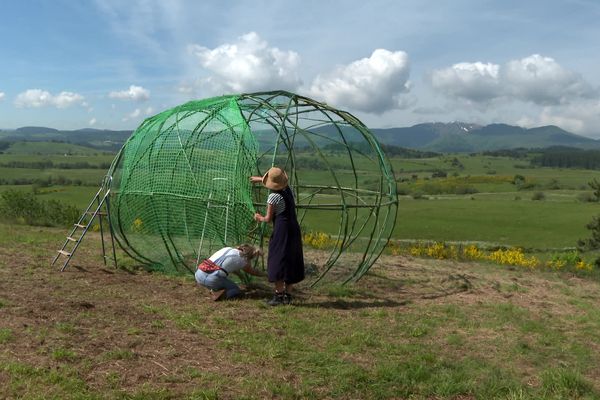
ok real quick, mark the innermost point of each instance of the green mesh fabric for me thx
(180, 186)
(181, 183)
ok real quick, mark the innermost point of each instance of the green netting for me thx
(180, 186)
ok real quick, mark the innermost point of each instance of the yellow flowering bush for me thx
(570, 258)
(582, 265)
(137, 225)
(512, 256)
(319, 240)
(556, 264)
(439, 250)
(472, 252)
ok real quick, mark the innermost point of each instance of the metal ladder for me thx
(98, 207)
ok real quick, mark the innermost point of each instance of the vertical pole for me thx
(99, 212)
(112, 235)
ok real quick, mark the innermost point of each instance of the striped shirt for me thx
(276, 200)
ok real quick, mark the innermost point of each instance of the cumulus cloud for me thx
(92, 122)
(1, 96)
(582, 117)
(137, 113)
(247, 65)
(374, 84)
(135, 93)
(134, 114)
(542, 80)
(536, 79)
(34, 98)
(473, 81)
(429, 110)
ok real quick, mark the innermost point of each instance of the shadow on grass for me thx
(351, 304)
(341, 297)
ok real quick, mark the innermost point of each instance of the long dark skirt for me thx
(285, 260)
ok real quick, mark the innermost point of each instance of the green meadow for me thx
(411, 328)
(456, 197)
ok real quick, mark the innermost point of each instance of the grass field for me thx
(88, 176)
(411, 329)
(496, 211)
(49, 148)
(536, 224)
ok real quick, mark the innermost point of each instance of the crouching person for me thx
(213, 273)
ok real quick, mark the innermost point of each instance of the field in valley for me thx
(475, 199)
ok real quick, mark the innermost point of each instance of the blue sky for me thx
(73, 64)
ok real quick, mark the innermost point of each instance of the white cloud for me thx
(66, 99)
(135, 93)
(133, 115)
(429, 110)
(136, 113)
(1, 96)
(373, 84)
(582, 117)
(34, 98)
(185, 89)
(535, 79)
(473, 81)
(92, 122)
(148, 110)
(542, 80)
(247, 65)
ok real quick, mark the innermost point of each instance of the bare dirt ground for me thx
(125, 329)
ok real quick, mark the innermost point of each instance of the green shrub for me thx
(594, 184)
(538, 196)
(586, 197)
(18, 206)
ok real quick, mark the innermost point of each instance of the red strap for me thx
(208, 266)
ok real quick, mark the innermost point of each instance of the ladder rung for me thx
(85, 222)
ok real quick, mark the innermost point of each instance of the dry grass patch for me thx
(412, 328)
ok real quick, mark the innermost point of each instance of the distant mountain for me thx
(101, 139)
(464, 137)
(35, 130)
(437, 137)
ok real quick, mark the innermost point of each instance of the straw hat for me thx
(275, 179)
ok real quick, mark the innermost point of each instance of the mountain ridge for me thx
(465, 137)
(445, 137)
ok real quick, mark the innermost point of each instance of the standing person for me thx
(285, 262)
(214, 271)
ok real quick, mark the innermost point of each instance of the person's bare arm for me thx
(269, 215)
(248, 269)
(256, 179)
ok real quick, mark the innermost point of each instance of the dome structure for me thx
(180, 188)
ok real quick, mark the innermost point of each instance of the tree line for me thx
(567, 158)
(48, 164)
(47, 181)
